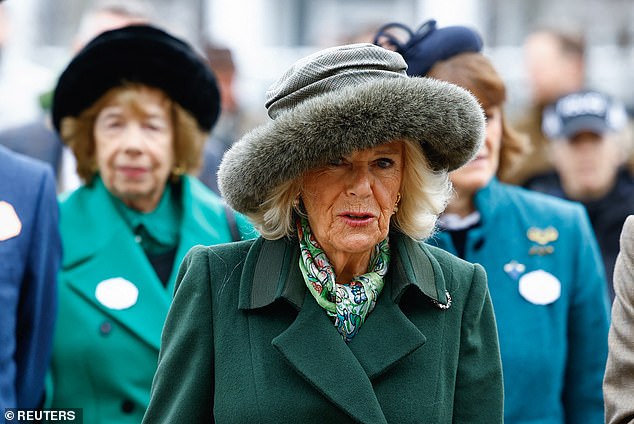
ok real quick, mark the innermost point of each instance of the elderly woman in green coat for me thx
(338, 313)
(135, 106)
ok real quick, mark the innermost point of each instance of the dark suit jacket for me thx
(245, 342)
(30, 255)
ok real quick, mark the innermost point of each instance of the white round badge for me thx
(117, 293)
(540, 287)
(10, 224)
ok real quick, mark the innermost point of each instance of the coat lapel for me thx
(201, 222)
(314, 348)
(386, 337)
(312, 345)
(145, 318)
(98, 246)
(97, 241)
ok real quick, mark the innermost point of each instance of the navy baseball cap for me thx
(428, 44)
(582, 111)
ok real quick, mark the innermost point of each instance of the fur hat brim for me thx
(443, 118)
(143, 54)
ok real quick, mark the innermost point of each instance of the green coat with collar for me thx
(246, 342)
(104, 358)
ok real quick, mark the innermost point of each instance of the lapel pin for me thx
(443, 306)
(540, 287)
(514, 269)
(542, 236)
(117, 293)
(10, 224)
(541, 250)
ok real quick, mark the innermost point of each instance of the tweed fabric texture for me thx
(330, 70)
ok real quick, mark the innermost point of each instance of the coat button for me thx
(105, 328)
(127, 406)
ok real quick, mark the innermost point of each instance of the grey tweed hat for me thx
(340, 100)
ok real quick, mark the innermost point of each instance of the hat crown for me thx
(584, 110)
(586, 103)
(329, 70)
(142, 54)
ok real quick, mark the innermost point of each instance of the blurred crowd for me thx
(542, 207)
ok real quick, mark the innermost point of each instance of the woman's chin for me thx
(357, 242)
(473, 180)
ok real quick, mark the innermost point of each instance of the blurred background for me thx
(265, 36)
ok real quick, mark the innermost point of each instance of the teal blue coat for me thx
(245, 342)
(553, 355)
(103, 358)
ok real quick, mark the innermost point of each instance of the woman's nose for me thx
(132, 139)
(360, 182)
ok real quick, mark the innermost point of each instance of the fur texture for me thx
(445, 119)
(143, 54)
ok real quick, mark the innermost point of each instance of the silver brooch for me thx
(443, 306)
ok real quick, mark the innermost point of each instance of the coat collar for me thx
(271, 274)
(145, 318)
(95, 237)
(495, 199)
(91, 207)
(486, 197)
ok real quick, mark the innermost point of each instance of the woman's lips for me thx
(357, 219)
(133, 171)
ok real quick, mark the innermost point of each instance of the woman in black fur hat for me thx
(338, 313)
(135, 106)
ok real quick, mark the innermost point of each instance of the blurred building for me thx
(265, 36)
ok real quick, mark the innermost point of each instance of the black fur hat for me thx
(144, 54)
(343, 99)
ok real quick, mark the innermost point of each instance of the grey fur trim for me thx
(445, 119)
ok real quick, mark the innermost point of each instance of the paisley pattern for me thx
(349, 303)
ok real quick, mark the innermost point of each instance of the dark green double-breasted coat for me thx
(245, 342)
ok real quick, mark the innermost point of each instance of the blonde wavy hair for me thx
(424, 195)
(78, 132)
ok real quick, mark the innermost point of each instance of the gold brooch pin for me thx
(541, 250)
(542, 236)
(514, 269)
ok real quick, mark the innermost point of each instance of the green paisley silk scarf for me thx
(348, 303)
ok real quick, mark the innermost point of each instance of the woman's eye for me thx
(336, 162)
(153, 126)
(114, 124)
(491, 114)
(384, 163)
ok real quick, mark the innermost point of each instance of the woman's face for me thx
(134, 148)
(349, 202)
(587, 164)
(476, 174)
